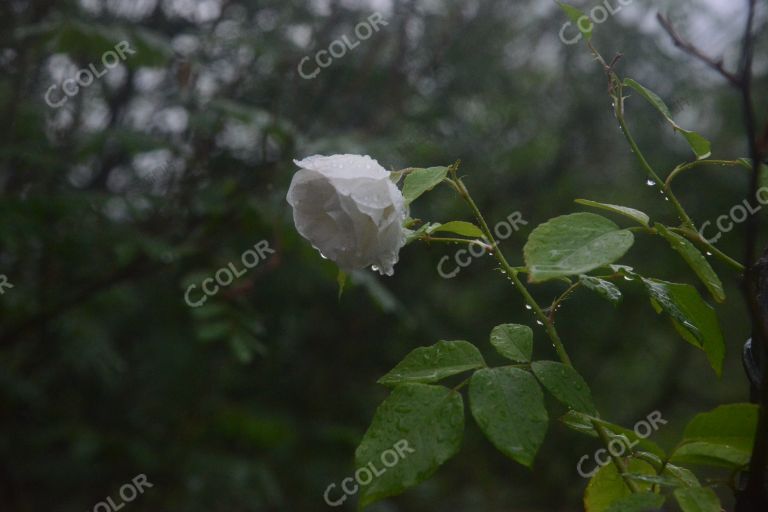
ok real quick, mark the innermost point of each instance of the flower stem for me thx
(621, 466)
(512, 272)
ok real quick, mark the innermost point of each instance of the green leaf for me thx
(575, 15)
(574, 244)
(421, 423)
(421, 180)
(607, 486)
(684, 476)
(695, 260)
(583, 423)
(513, 341)
(700, 146)
(508, 405)
(462, 228)
(722, 437)
(605, 289)
(565, 384)
(703, 453)
(626, 211)
(697, 499)
(640, 502)
(431, 364)
(693, 318)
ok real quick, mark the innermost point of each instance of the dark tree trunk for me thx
(753, 493)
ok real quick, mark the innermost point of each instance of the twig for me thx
(690, 49)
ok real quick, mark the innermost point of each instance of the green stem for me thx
(690, 165)
(512, 272)
(621, 466)
(695, 237)
(686, 220)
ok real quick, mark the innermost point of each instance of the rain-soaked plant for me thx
(350, 209)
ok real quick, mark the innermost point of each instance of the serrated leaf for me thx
(700, 146)
(575, 15)
(640, 502)
(462, 228)
(695, 260)
(513, 341)
(508, 405)
(607, 486)
(722, 437)
(694, 319)
(697, 499)
(429, 420)
(431, 364)
(605, 289)
(565, 384)
(626, 211)
(574, 244)
(421, 180)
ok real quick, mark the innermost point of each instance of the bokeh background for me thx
(177, 161)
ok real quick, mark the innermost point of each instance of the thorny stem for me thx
(556, 303)
(617, 461)
(510, 271)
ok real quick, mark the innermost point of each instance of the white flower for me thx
(350, 210)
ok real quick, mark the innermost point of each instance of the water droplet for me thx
(539, 322)
(627, 278)
(528, 307)
(709, 253)
(650, 182)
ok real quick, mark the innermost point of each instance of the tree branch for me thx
(690, 49)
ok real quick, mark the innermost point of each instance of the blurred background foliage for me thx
(178, 160)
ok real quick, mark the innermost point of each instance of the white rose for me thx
(350, 210)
